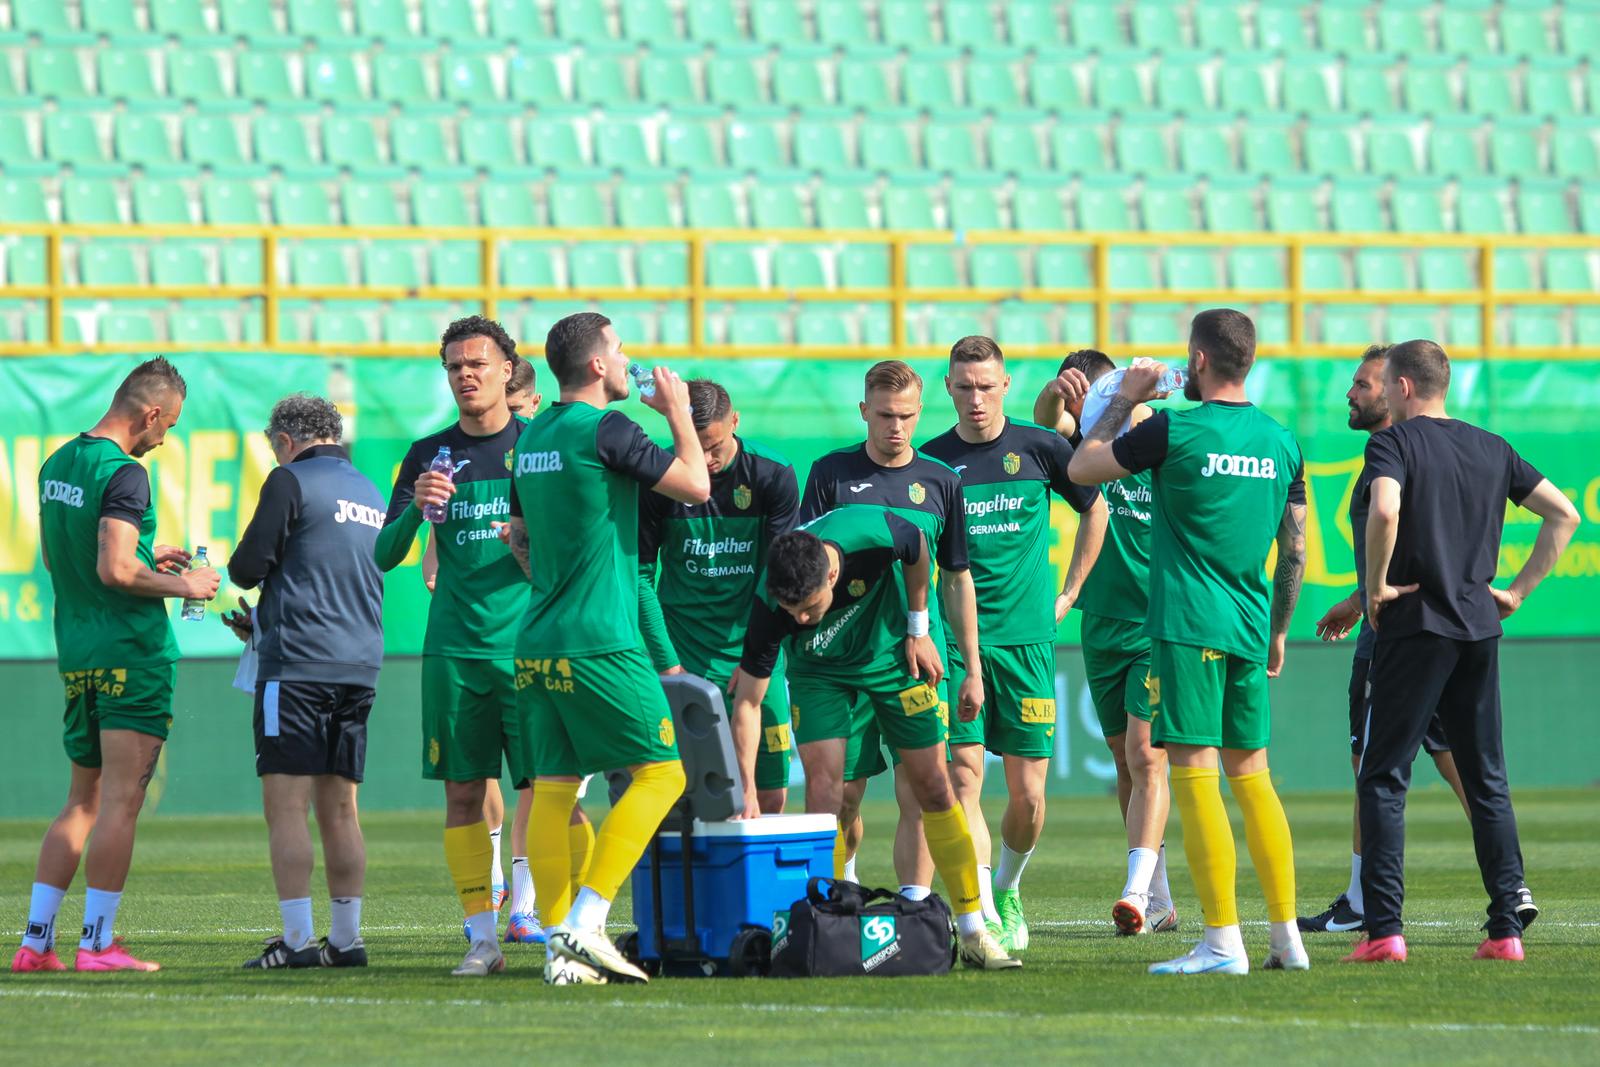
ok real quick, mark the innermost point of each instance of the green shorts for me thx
(113, 698)
(776, 750)
(864, 753)
(1116, 661)
(879, 701)
(1200, 696)
(469, 718)
(1019, 700)
(586, 714)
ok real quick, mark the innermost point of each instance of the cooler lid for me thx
(765, 826)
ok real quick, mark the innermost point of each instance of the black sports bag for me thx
(841, 928)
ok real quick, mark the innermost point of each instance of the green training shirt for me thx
(575, 483)
(479, 592)
(86, 480)
(1118, 587)
(1222, 474)
(1005, 487)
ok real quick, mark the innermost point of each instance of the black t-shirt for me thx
(925, 491)
(1454, 482)
(126, 495)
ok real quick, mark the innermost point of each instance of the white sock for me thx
(991, 914)
(1159, 889)
(850, 870)
(481, 927)
(589, 911)
(1286, 936)
(916, 892)
(1008, 876)
(1353, 894)
(99, 919)
(297, 926)
(1141, 868)
(1225, 939)
(497, 876)
(42, 910)
(521, 886)
(345, 930)
(969, 923)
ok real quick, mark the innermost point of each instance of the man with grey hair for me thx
(318, 633)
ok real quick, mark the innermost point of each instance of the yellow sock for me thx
(950, 845)
(549, 855)
(840, 855)
(469, 855)
(580, 843)
(627, 831)
(1266, 832)
(1207, 841)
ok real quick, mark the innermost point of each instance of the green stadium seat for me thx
(753, 146)
(576, 204)
(1489, 87)
(486, 142)
(1243, 85)
(91, 200)
(1191, 268)
(1391, 151)
(1053, 84)
(1116, 84)
(1586, 327)
(1366, 83)
(1164, 205)
(1523, 32)
(1131, 268)
(1514, 147)
(535, 79)
(777, 22)
(1033, 24)
(1589, 209)
(331, 77)
(179, 18)
(465, 76)
(25, 261)
(1014, 148)
(1515, 270)
(142, 139)
(249, 19)
(712, 21)
(516, 20)
(885, 147)
(1204, 148)
(1572, 149)
(732, 266)
(1324, 268)
(339, 327)
(439, 203)
(1418, 206)
(994, 267)
(1157, 26)
(710, 205)
(1536, 328)
(1330, 148)
(281, 141)
(1342, 27)
(582, 20)
(1230, 207)
(194, 76)
(1464, 31)
(1019, 324)
(949, 146)
(797, 267)
(406, 326)
(15, 146)
(863, 266)
(350, 142)
(1453, 149)
(399, 78)
(908, 208)
(665, 79)
(932, 267)
(54, 73)
(189, 325)
(643, 204)
(843, 22)
(1037, 207)
(369, 204)
(1281, 26)
(241, 263)
(1548, 88)
(211, 139)
(1354, 206)
(1580, 29)
(1349, 325)
(389, 264)
(1542, 207)
(316, 19)
(1382, 269)
(108, 263)
(974, 207)
(688, 145)
(1305, 89)
(927, 84)
(778, 207)
(1257, 268)
(992, 86)
(732, 80)
(1063, 267)
(264, 76)
(596, 266)
(553, 143)
(455, 264)
(862, 82)
(508, 205)
(1292, 205)
(1402, 29)
(1426, 86)
(1101, 205)
(296, 203)
(1078, 148)
(418, 141)
(1096, 24)
(949, 321)
(1180, 85)
(1268, 148)
(126, 327)
(601, 79)
(1568, 270)
(158, 201)
(821, 326)
(820, 145)
(125, 74)
(1479, 208)
(71, 137)
(842, 207)
(179, 264)
(970, 24)
(905, 24)
(663, 265)
(452, 21)
(757, 326)
(1219, 26)
(1154, 324)
(228, 202)
(797, 83)
(529, 265)
(1404, 323)
(620, 143)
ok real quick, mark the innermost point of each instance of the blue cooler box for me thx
(743, 872)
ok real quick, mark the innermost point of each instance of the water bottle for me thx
(1105, 387)
(194, 609)
(643, 380)
(442, 464)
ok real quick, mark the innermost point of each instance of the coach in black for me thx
(318, 633)
(1437, 493)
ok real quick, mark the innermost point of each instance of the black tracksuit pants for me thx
(1412, 677)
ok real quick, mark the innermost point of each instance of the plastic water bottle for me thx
(442, 464)
(194, 609)
(1105, 387)
(643, 380)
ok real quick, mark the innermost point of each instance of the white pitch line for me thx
(1459, 924)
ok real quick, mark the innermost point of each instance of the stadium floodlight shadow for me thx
(715, 790)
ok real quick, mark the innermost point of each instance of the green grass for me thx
(200, 900)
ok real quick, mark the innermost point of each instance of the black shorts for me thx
(1434, 741)
(312, 728)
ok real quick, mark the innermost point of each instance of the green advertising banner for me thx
(207, 476)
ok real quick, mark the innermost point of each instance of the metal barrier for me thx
(897, 296)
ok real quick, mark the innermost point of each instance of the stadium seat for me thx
(1219, 25)
(390, 264)
(885, 147)
(1077, 146)
(1464, 31)
(949, 147)
(1514, 147)
(778, 207)
(1243, 85)
(535, 79)
(349, 141)
(582, 20)
(1063, 267)
(89, 200)
(663, 265)
(862, 81)
(1572, 149)
(1548, 88)
(439, 203)
(1191, 268)
(195, 325)
(843, 22)
(1038, 207)
(1402, 29)
(1180, 83)
(1536, 327)
(601, 79)
(55, 73)
(819, 145)
(992, 87)
(732, 266)
(1117, 85)
(1165, 206)
(179, 18)
(1053, 84)
(282, 141)
(776, 22)
(1330, 149)
(465, 76)
(1367, 88)
(1305, 89)
(1141, 145)
(974, 206)
(905, 24)
(1568, 270)
(126, 327)
(842, 207)
(1033, 24)
(508, 205)
(1257, 268)
(1014, 148)
(621, 143)
(1230, 207)
(863, 266)
(194, 76)
(908, 208)
(179, 263)
(125, 74)
(553, 144)
(797, 82)
(157, 201)
(1324, 268)
(71, 137)
(712, 21)
(109, 263)
(1382, 269)
(821, 326)
(971, 24)
(732, 80)
(1355, 207)
(1490, 88)
(1391, 151)
(1267, 146)
(229, 202)
(753, 146)
(1096, 24)
(369, 204)
(643, 204)
(264, 76)
(1347, 325)
(1480, 207)
(1418, 206)
(996, 267)
(1292, 205)
(455, 264)
(1427, 85)
(710, 205)
(297, 203)
(1453, 149)
(242, 263)
(1542, 207)
(399, 77)
(597, 266)
(1516, 270)
(1101, 205)
(665, 79)
(927, 84)
(526, 265)
(797, 267)
(577, 204)
(340, 327)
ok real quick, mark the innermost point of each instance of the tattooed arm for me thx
(118, 566)
(518, 534)
(1286, 579)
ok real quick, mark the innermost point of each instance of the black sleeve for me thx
(1297, 488)
(516, 501)
(1384, 458)
(781, 496)
(1057, 455)
(907, 538)
(127, 495)
(818, 499)
(262, 543)
(405, 483)
(1524, 478)
(1143, 447)
(953, 538)
(623, 447)
(652, 512)
(763, 638)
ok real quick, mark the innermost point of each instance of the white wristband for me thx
(916, 624)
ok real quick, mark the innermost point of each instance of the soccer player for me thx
(1437, 492)
(319, 631)
(849, 594)
(1227, 481)
(591, 700)
(1008, 469)
(886, 471)
(1116, 658)
(469, 707)
(709, 558)
(116, 653)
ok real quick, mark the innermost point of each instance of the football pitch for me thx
(200, 902)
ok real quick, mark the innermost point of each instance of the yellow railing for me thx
(696, 293)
